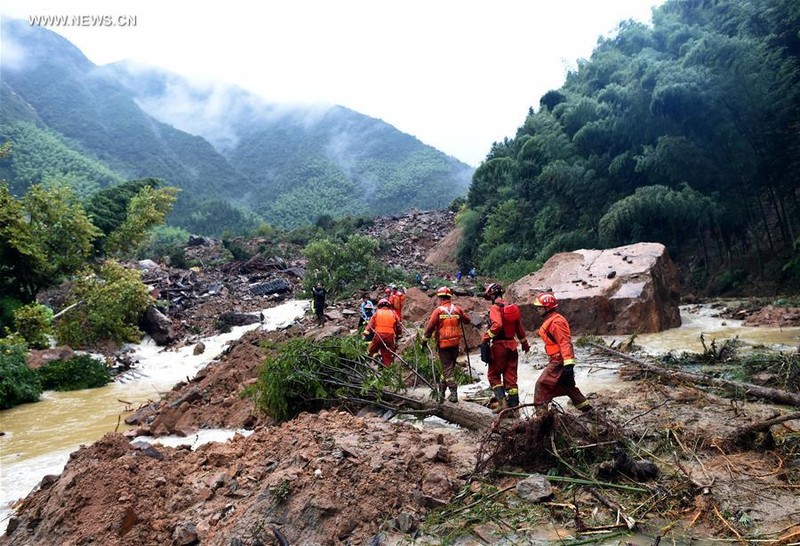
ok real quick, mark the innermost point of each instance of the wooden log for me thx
(466, 414)
(775, 395)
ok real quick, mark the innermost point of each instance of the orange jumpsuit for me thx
(504, 362)
(446, 323)
(386, 325)
(398, 299)
(557, 337)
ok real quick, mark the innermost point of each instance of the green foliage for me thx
(80, 372)
(343, 268)
(34, 323)
(18, 383)
(306, 376)
(41, 155)
(7, 307)
(44, 237)
(681, 133)
(148, 208)
(110, 303)
(165, 242)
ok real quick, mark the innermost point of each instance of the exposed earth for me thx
(336, 478)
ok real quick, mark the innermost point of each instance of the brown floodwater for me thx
(39, 437)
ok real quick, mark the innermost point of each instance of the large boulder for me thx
(625, 290)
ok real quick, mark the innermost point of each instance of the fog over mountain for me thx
(286, 164)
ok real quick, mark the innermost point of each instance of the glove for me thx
(525, 345)
(568, 375)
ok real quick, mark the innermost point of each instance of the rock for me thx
(534, 488)
(37, 359)
(199, 349)
(232, 318)
(185, 533)
(642, 297)
(146, 265)
(159, 326)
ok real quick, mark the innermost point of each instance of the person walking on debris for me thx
(505, 323)
(446, 323)
(385, 325)
(397, 298)
(558, 378)
(366, 309)
(318, 303)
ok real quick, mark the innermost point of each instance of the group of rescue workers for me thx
(500, 343)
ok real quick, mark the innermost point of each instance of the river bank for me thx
(352, 455)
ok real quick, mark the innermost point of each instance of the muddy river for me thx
(39, 437)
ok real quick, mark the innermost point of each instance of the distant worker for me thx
(472, 273)
(318, 303)
(558, 378)
(385, 325)
(397, 298)
(446, 323)
(505, 324)
(458, 276)
(365, 310)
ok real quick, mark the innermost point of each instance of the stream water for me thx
(39, 437)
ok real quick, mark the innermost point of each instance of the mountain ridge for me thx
(283, 165)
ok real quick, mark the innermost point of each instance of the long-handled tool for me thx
(466, 349)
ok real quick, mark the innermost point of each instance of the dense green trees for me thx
(684, 133)
(44, 237)
(343, 268)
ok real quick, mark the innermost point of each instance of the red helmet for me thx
(546, 300)
(384, 303)
(387, 291)
(493, 289)
(444, 292)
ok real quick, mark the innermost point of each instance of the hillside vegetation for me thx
(241, 162)
(685, 133)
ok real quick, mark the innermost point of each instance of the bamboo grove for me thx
(685, 132)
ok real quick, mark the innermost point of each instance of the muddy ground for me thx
(336, 478)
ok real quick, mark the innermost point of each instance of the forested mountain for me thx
(93, 126)
(305, 160)
(686, 132)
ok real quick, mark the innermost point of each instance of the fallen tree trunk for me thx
(466, 414)
(775, 395)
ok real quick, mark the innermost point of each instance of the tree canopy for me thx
(683, 133)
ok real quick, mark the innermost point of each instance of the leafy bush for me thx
(34, 323)
(80, 372)
(18, 383)
(343, 268)
(111, 303)
(7, 307)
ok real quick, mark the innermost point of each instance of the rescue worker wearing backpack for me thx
(446, 324)
(386, 326)
(558, 378)
(505, 324)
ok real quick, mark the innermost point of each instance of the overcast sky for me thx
(456, 74)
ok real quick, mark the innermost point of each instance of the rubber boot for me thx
(513, 402)
(502, 403)
(453, 395)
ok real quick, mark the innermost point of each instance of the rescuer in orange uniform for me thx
(386, 325)
(558, 378)
(446, 324)
(397, 297)
(505, 325)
